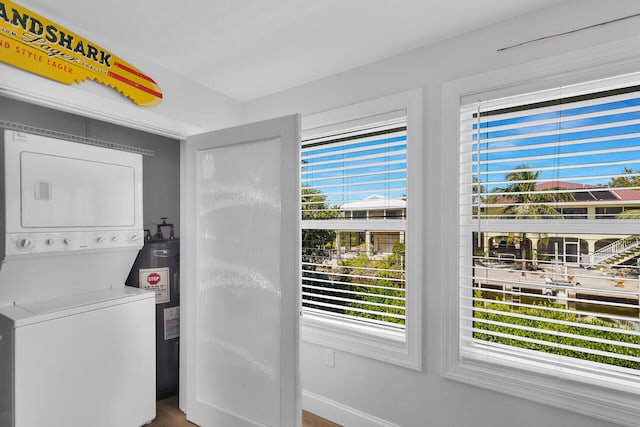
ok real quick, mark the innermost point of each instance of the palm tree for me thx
(478, 196)
(527, 202)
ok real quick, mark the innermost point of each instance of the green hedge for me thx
(358, 267)
(540, 312)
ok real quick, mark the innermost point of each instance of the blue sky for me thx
(568, 153)
(351, 173)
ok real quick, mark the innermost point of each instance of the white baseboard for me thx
(339, 413)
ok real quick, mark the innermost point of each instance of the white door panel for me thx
(241, 276)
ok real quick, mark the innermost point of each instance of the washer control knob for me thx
(114, 239)
(100, 239)
(66, 241)
(23, 243)
(49, 242)
(134, 237)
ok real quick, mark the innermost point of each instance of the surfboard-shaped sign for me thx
(36, 44)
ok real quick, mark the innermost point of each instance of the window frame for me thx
(610, 400)
(380, 343)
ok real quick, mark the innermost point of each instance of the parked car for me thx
(504, 249)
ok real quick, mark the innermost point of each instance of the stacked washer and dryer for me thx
(77, 346)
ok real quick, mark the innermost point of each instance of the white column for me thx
(591, 245)
(534, 248)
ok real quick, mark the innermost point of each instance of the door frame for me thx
(568, 243)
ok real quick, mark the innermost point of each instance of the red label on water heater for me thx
(157, 280)
(153, 279)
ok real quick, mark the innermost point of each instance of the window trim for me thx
(374, 342)
(600, 401)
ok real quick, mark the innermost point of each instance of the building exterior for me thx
(582, 202)
(371, 242)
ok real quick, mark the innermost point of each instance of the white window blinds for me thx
(550, 226)
(354, 186)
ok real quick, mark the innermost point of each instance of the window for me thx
(609, 211)
(573, 213)
(359, 214)
(394, 213)
(550, 236)
(360, 292)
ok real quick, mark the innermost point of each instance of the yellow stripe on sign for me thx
(35, 44)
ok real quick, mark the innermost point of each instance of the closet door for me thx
(240, 271)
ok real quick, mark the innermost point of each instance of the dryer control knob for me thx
(66, 241)
(49, 242)
(100, 239)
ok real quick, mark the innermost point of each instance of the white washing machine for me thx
(86, 359)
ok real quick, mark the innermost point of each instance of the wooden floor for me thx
(168, 415)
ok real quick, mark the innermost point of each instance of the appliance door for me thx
(65, 192)
(240, 276)
(55, 185)
(93, 368)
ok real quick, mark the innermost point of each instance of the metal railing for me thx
(616, 248)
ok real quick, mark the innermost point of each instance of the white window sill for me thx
(589, 393)
(378, 343)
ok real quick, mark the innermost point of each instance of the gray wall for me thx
(401, 396)
(161, 172)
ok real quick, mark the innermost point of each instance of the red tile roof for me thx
(562, 184)
(622, 194)
(595, 195)
(626, 194)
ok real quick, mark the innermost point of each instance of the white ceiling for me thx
(251, 48)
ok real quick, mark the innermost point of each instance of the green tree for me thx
(631, 179)
(527, 202)
(316, 243)
(315, 206)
